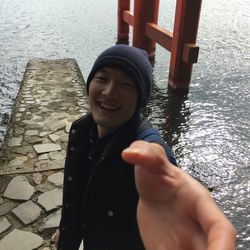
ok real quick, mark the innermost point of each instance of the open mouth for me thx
(108, 107)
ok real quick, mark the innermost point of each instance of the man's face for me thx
(112, 99)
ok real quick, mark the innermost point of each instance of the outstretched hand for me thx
(175, 212)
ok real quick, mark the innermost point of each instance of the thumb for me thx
(149, 155)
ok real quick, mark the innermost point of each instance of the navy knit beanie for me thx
(131, 60)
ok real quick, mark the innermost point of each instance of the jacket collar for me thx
(119, 139)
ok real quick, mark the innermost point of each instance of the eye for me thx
(127, 84)
(100, 78)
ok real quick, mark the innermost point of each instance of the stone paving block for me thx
(33, 140)
(45, 165)
(19, 188)
(4, 180)
(67, 127)
(24, 150)
(7, 169)
(30, 102)
(44, 104)
(54, 137)
(31, 132)
(64, 138)
(43, 133)
(28, 98)
(51, 222)
(36, 118)
(18, 161)
(20, 240)
(45, 141)
(4, 224)
(15, 141)
(27, 212)
(43, 157)
(61, 155)
(54, 125)
(37, 178)
(60, 116)
(19, 131)
(51, 199)
(45, 148)
(6, 207)
(44, 187)
(56, 179)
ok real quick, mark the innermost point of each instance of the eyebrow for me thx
(101, 71)
(105, 70)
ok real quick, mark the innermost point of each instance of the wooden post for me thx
(184, 37)
(122, 27)
(145, 11)
(146, 33)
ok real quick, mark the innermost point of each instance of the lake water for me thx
(208, 130)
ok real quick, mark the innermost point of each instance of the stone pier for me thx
(51, 96)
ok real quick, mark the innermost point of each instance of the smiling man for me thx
(100, 197)
(105, 199)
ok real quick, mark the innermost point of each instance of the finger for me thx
(55, 238)
(149, 155)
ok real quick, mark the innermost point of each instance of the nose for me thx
(110, 89)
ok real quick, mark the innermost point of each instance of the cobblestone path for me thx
(32, 156)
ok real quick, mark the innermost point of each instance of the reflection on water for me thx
(208, 129)
(170, 113)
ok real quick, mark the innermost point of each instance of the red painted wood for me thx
(159, 35)
(190, 53)
(128, 17)
(180, 42)
(185, 31)
(145, 11)
(122, 26)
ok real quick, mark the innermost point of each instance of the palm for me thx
(175, 212)
(167, 223)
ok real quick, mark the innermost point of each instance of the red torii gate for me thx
(180, 42)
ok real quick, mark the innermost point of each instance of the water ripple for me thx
(208, 129)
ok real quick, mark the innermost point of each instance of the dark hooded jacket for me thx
(99, 196)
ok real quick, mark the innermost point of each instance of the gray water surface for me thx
(208, 130)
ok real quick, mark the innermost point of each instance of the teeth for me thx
(106, 106)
